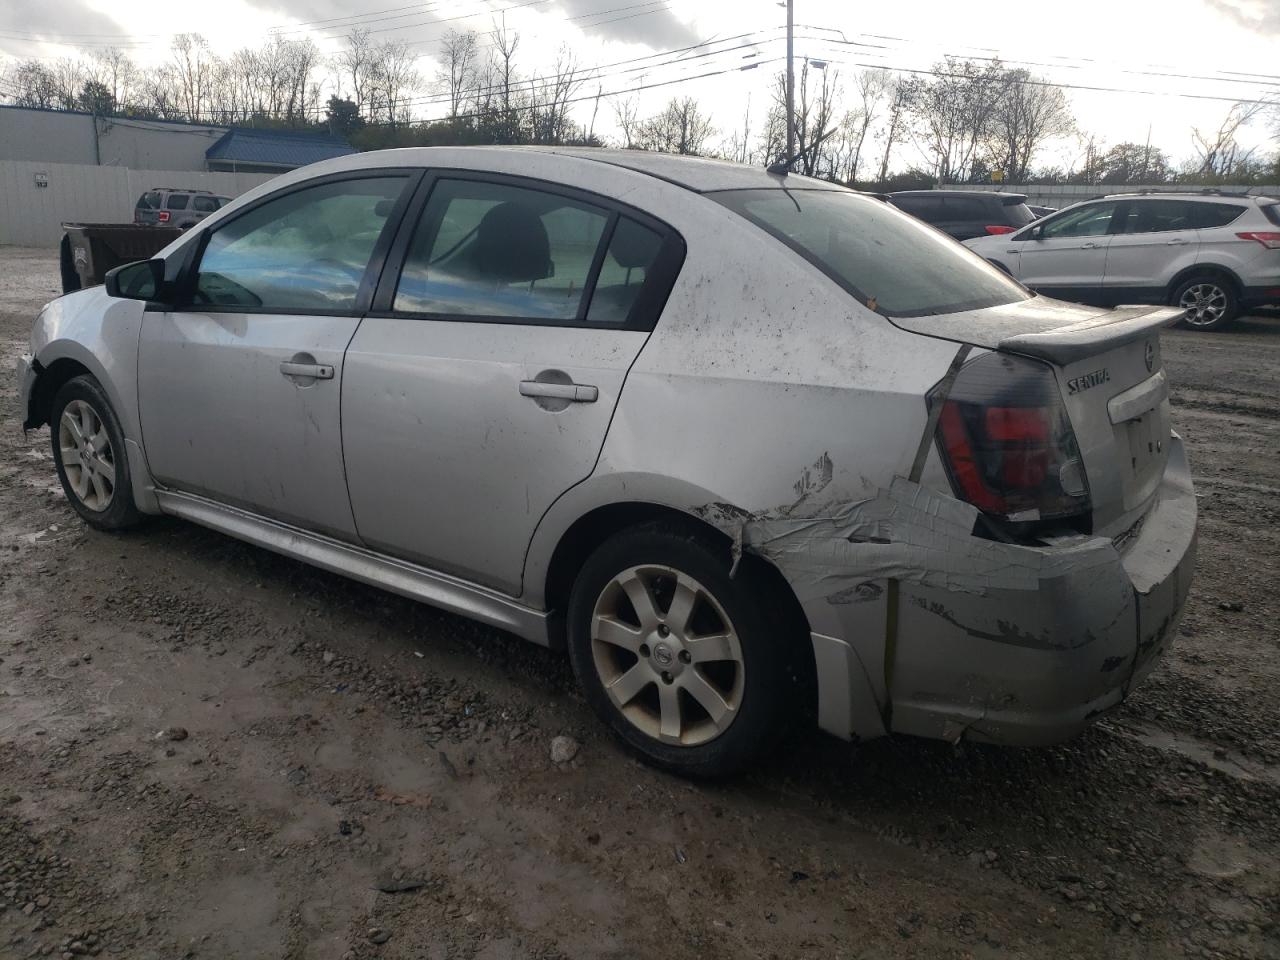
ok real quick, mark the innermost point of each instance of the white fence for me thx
(35, 198)
(1063, 195)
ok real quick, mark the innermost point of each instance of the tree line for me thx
(962, 121)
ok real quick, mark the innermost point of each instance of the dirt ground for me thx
(356, 775)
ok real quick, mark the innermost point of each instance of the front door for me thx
(1066, 255)
(239, 386)
(482, 385)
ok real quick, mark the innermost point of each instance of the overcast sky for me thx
(1207, 48)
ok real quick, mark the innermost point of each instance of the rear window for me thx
(1019, 214)
(1214, 214)
(149, 201)
(886, 259)
(177, 201)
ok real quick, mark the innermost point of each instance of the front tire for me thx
(689, 667)
(1211, 299)
(89, 453)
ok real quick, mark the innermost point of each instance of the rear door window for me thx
(891, 262)
(1156, 216)
(177, 201)
(928, 209)
(633, 251)
(500, 251)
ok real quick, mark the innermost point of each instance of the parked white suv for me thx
(1214, 254)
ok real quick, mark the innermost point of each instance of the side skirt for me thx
(408, 580)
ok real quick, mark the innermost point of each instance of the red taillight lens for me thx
(1007, 443)
(996, 229)
(1270, 239)
(163, 216)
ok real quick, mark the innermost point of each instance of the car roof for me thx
(957, 193)
(699, 174)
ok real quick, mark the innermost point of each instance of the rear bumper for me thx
(1037, 666)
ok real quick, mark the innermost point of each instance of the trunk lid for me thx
(1109, 372)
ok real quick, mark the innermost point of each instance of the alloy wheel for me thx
(1207, 303)
(667, 655)
(87, 457)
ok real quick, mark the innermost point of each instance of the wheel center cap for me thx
(662, 655)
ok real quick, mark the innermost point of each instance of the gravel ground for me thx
(207, 750)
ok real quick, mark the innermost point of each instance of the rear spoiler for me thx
(1079, 340)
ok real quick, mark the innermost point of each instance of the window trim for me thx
(190, 269)
(645, 310)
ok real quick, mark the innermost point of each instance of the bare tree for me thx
(33, 84)
(1027, 113)
(68, 76)
(679, 128)
(1219, 152)
(194, 69)
(355, 65)
(460, 52)
(626, 113)
(113, 68)
(549, 100)
(505, 43)
(904, 92)
(815, 108)
(955, 112)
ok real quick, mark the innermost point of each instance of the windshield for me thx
(892, 262)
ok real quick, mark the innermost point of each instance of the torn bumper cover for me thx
(994, 641)
(25, 375)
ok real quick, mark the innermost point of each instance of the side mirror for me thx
(142, 280)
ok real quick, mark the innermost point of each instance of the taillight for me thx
(996, 229)
(163, 216)
(1270, 240)
(1007, 443)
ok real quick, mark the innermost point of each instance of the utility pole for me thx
(791, 84)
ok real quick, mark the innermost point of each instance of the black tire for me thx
(119, 512)
(765, 701)
(1213, 299)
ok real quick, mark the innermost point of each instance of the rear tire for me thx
(1211, 298)
(693, 673)
(90, 455)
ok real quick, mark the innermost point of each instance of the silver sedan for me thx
(751, 447)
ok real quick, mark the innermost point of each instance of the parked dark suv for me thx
(173, 207)
(965, 214)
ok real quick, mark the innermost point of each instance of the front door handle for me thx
(316, 371)
(1177, 243)
(573, 392)
(1089, 246)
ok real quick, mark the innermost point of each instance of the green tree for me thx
(96, 98)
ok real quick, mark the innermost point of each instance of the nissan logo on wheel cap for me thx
(662, 653)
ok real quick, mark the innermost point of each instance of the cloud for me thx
(652, 25)
(53, 22)
(1262, 16)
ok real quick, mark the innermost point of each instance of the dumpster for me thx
(89, 250)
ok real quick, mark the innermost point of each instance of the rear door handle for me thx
(317, 371)
(573, 392)
(1089, 246)
(1176, 243)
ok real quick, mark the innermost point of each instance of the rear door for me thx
(1066, 255)
(481, 385)
(1153, 238)
(239, 386)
